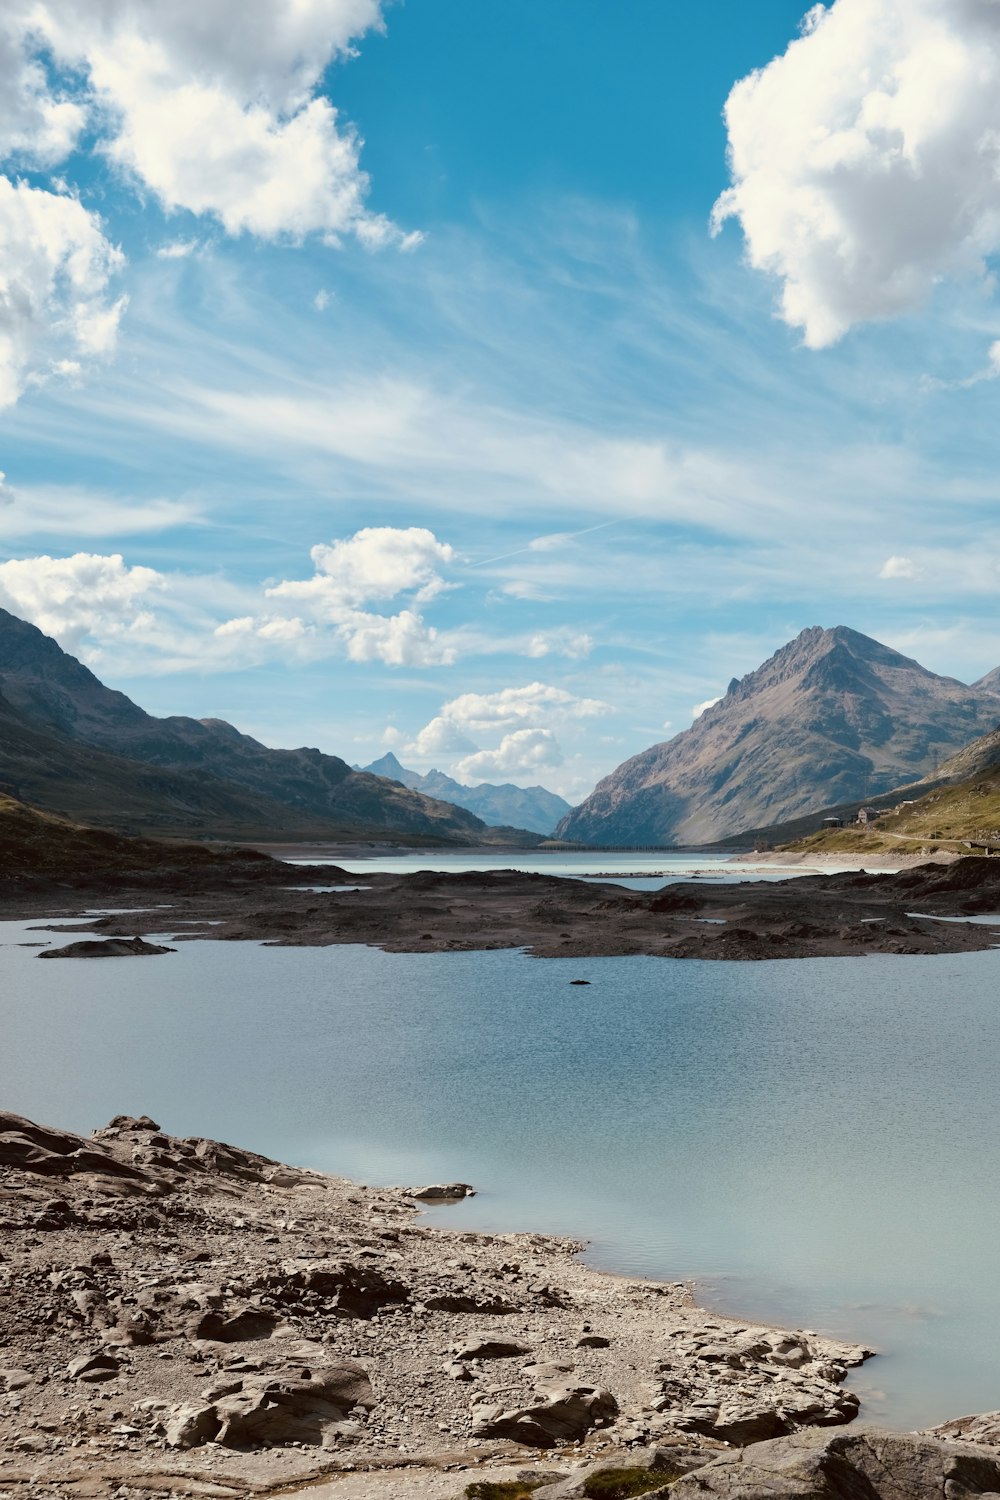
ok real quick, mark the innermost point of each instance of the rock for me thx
(190, 1426)
(351, 1291)
(488, 1346)
(863, 1464)
(93, 1368)
(14, 1380)
(132, 1124)
(593, 1341)
(309, 1407)
(136, 947)
(457, 1371)
(671, 1463)
(241, 1326)
(461, 1302)
(559, 1416)
(446, 1190)
(984, 1427)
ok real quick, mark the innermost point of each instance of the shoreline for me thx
(237, 1270)
(807, 916)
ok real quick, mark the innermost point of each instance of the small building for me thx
(832, 823)
(867, 814)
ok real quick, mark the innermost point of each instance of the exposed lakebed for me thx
(815, 1141)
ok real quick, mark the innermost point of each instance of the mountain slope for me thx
(832, 717)
(229, 783)
(533, 807)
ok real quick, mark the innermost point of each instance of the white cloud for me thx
(522, 719)
(520, 753)
(67, 511)
(376, 565)
(865, 158)
(56, 268)
(377, 562)
(210, 111)
(701, 708)
(72, 598)
(561, 642)
(899, 567)
(177, 249)
(37, 124)
(322, 300)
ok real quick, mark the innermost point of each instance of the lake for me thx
(815, 1141)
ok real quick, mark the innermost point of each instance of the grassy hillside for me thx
(34, 843)
(945, 818)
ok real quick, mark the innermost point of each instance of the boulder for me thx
(562, 1415)
(136, 947)
(190, 1426)
(350, 1291)
(308, 1406)
(863, 1464)
(14, 1380)
(488, 1346)
(93, 1368)
(445, 1190)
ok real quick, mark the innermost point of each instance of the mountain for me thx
(832, 717)
(531, 807)
(70, 745)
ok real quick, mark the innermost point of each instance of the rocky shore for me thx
(429, 912)
(181, 1317)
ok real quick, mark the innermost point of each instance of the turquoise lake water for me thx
(817, 1142)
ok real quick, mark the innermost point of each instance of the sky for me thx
(493, 381)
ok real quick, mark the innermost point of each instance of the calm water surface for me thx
(639, 870)
(815, 1141)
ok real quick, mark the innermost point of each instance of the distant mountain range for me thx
(521, 807)
(831, 718)
(70, 745)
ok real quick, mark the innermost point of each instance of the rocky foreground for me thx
(182, 1317)
(429, 912)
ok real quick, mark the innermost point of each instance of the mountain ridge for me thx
(199, 777)
(533, 807)
(831, 716)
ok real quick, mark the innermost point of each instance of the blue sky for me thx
(466, 436)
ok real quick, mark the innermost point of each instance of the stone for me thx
(863, 1464)
(308, 1407)
(452, 1190)
(488, 1346)
(14, 1380)
(93, 1368)
(136, 947)
(190, 1426)
(562, 1415)
(593, 1341)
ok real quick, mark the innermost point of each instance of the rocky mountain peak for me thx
(831, 716)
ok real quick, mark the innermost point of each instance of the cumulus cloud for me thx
(899, 567)
(700, 708)
(520, 753)
(376, 565)
(523, 720)
(865, 158)
(72, 598)
(56, 271)
(209, 112)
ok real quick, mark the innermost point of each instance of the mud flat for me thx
(808, 916)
